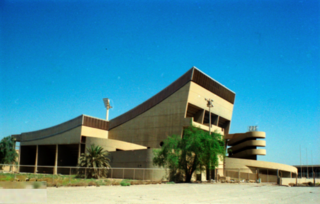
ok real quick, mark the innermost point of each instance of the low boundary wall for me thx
(287, 181)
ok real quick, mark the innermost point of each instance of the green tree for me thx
(96, 158)
(194, 151)
(8, 154)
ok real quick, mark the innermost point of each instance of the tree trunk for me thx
(188, 177)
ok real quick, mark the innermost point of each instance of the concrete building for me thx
(131, 136)
(308, 171)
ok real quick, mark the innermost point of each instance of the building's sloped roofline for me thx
(195, 75)
(50, 131)
(82, 120)
(211, 78)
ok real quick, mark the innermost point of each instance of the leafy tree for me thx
(96, 158)
(194, 151)
(8, 154)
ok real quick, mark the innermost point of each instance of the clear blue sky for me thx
(60, 58)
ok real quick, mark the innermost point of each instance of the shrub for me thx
(108, 183)
(93, 183)
(125, 183)
(115, 182)
(136, 182)
(36, 185)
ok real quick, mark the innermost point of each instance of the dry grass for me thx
(61, 180)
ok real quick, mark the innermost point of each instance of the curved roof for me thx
(82, 120)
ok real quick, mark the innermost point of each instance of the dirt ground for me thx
(185, 193)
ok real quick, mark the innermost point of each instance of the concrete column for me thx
(202, 116)
(218, 120)
(11, 168)
(36, 161)
(19, 159)
(79, 152)
(55, 170)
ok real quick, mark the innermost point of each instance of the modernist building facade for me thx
(131, 136)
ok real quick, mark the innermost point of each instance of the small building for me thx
(308, 171)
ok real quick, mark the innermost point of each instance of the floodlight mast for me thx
(106, 102)
(210, 105)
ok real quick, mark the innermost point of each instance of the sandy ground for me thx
(185, 193)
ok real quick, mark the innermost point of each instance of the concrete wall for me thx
(132, 159)
(138, 159)
(94, 132)
(247, 164)
(52, 131)
(197, 95)
(287, 181)
(69, 137)
(156, 124)
(214, 128)
(113, 145)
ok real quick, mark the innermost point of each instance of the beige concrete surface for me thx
(287, 181)
(249, 143)
(234, 163)
(51, 131)
(214, 128)
(237, 137)
(94, 132)
(221, 107)
(71, 136)
(156, 124)
(112, 145)
(185, 193)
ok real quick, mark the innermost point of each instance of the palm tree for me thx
(96, 158)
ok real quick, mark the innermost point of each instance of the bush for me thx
(125, 183)
(36, 185)
(115, 182)
(93, 183)
(108, 183)
(136, 182)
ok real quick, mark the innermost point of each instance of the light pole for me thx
(300, 164)
(307, 163)
(210, 105)
(312, 164)
(106, 102)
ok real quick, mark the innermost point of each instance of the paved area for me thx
(185, 193)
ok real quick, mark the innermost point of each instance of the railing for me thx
(151, 174)
(246, 175)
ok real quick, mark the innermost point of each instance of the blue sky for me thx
(60, 58)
